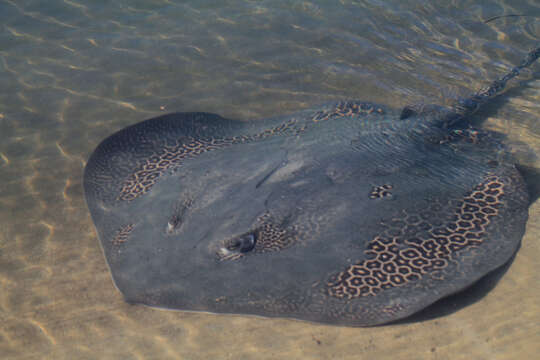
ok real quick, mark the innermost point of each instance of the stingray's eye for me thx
(243, 243)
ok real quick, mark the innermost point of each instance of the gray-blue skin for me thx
(350, 213)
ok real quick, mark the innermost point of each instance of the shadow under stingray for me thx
(459, 300)
(531, 175)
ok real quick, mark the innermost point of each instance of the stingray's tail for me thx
(468, 106)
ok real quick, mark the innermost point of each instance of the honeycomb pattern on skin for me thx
(169, 157)
(122, 234)
(348, 108)
(414, 246)
(381, 191)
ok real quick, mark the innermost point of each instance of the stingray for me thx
(350, 213)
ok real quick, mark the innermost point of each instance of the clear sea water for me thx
(74, 71)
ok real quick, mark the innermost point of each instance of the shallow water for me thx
(74, 71)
